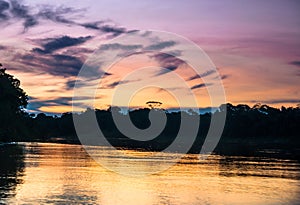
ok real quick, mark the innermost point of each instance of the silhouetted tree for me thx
(153, 104)
(12, 102)
(247, 129)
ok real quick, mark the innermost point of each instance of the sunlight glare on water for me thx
(60, 174)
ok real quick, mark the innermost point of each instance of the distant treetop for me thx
(153, 104)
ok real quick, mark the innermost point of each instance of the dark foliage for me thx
(12, 101)
(247, 129)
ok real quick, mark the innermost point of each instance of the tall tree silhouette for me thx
(12, 102)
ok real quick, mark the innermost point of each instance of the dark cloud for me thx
(170, 88)
(223, 77)
(107, 74)
(44, 59)
(116, 83)
(92, 25)
(31, 17)
(54, 44)
(61, 100)
(57, 15)
(111, 29)
(35, 104)
(205, 74)
(117, 46)
(23, 12)
(14, 9)
(202, 85)
(296, 63)
(19, 10)
(164, 59)
(64, 65)
(4, 6)
(71, 83)
(194, 77)
(161, 45)
(103, 27)
(58, 65)
(3, 47)
(169, 62)
(78, 51)
(167, 69)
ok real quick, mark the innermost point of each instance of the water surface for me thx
(39, 173)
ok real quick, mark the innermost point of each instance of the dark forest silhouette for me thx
(247, 129)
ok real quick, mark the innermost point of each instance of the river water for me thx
(48, 173)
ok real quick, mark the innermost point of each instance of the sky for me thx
(254, 45)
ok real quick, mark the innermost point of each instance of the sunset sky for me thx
(255, 46)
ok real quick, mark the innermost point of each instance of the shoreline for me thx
(271, 149)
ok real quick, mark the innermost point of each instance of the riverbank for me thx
(259, 147)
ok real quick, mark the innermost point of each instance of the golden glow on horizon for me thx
(46, 87)
(57, 109)
(239, 84)
(153, 94)
(137, 77)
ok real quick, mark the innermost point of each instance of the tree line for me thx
(258, 126)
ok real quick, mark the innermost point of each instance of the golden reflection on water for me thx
(65, 174)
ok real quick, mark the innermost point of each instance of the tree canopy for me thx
(12, 102)
(247, 129)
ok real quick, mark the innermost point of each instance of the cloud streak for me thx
(169, 62)
(31, 17)
(4, 6)
(296, 63)
(54, 44)
(23, 12)
(118, 46)
(54, 64)
(105, 28)
(202, 85)
(205, 74)
(36, 104)
(161, 45)
(117, 83)
(15, 10)
(58, 15)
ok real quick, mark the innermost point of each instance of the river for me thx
(49, 173)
